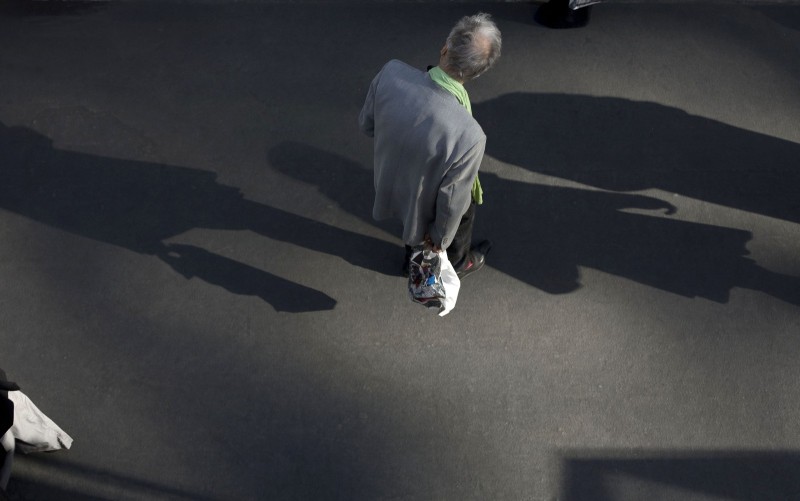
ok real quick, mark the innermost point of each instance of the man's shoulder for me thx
(398, 70)
(473, 132)
(396, 65)
(430, 97)
(399, 78)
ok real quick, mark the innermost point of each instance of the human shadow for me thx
(623, 145)
(239, 278)
(344, 182)
(544, 234)
(138, 205)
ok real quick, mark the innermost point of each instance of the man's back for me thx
(425, 142)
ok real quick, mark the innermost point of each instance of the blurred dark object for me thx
(6, 421)
(6, 406)
(6, 414)
(556, 14)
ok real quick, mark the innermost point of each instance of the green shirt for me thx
(456, 88)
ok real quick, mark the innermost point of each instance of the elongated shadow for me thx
(343, 181)
(138, 205)
(785, 15)
(622, 145)
(238, 278)
(544, 234)
(24, 487)
(548, 232)
(736, 475)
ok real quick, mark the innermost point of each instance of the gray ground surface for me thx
(192, 287)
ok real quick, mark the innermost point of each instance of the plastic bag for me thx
(432, 280)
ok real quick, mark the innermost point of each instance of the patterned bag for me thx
(432, 280)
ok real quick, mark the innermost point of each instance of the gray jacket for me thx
(428, 149)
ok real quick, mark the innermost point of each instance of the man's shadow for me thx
(548, 232)
(622, 145)
(543, 234)
(139, 205)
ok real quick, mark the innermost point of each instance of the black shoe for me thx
(477, 258)
(556, 14)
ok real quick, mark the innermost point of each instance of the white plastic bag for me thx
(452, 284)
(432, 280)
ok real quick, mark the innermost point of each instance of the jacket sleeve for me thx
(366, 120)
(455, 195)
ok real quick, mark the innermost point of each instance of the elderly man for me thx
(428, 148)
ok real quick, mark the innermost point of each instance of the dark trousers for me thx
(458, 251)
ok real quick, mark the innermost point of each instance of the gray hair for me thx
(473, 46)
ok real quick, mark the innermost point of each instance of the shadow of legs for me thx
(239, 278)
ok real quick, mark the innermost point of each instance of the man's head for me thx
(472, 47)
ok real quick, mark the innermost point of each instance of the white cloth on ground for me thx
(33, 430)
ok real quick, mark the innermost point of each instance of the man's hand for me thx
(429, 243)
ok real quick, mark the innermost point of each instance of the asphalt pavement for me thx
(192, 287)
